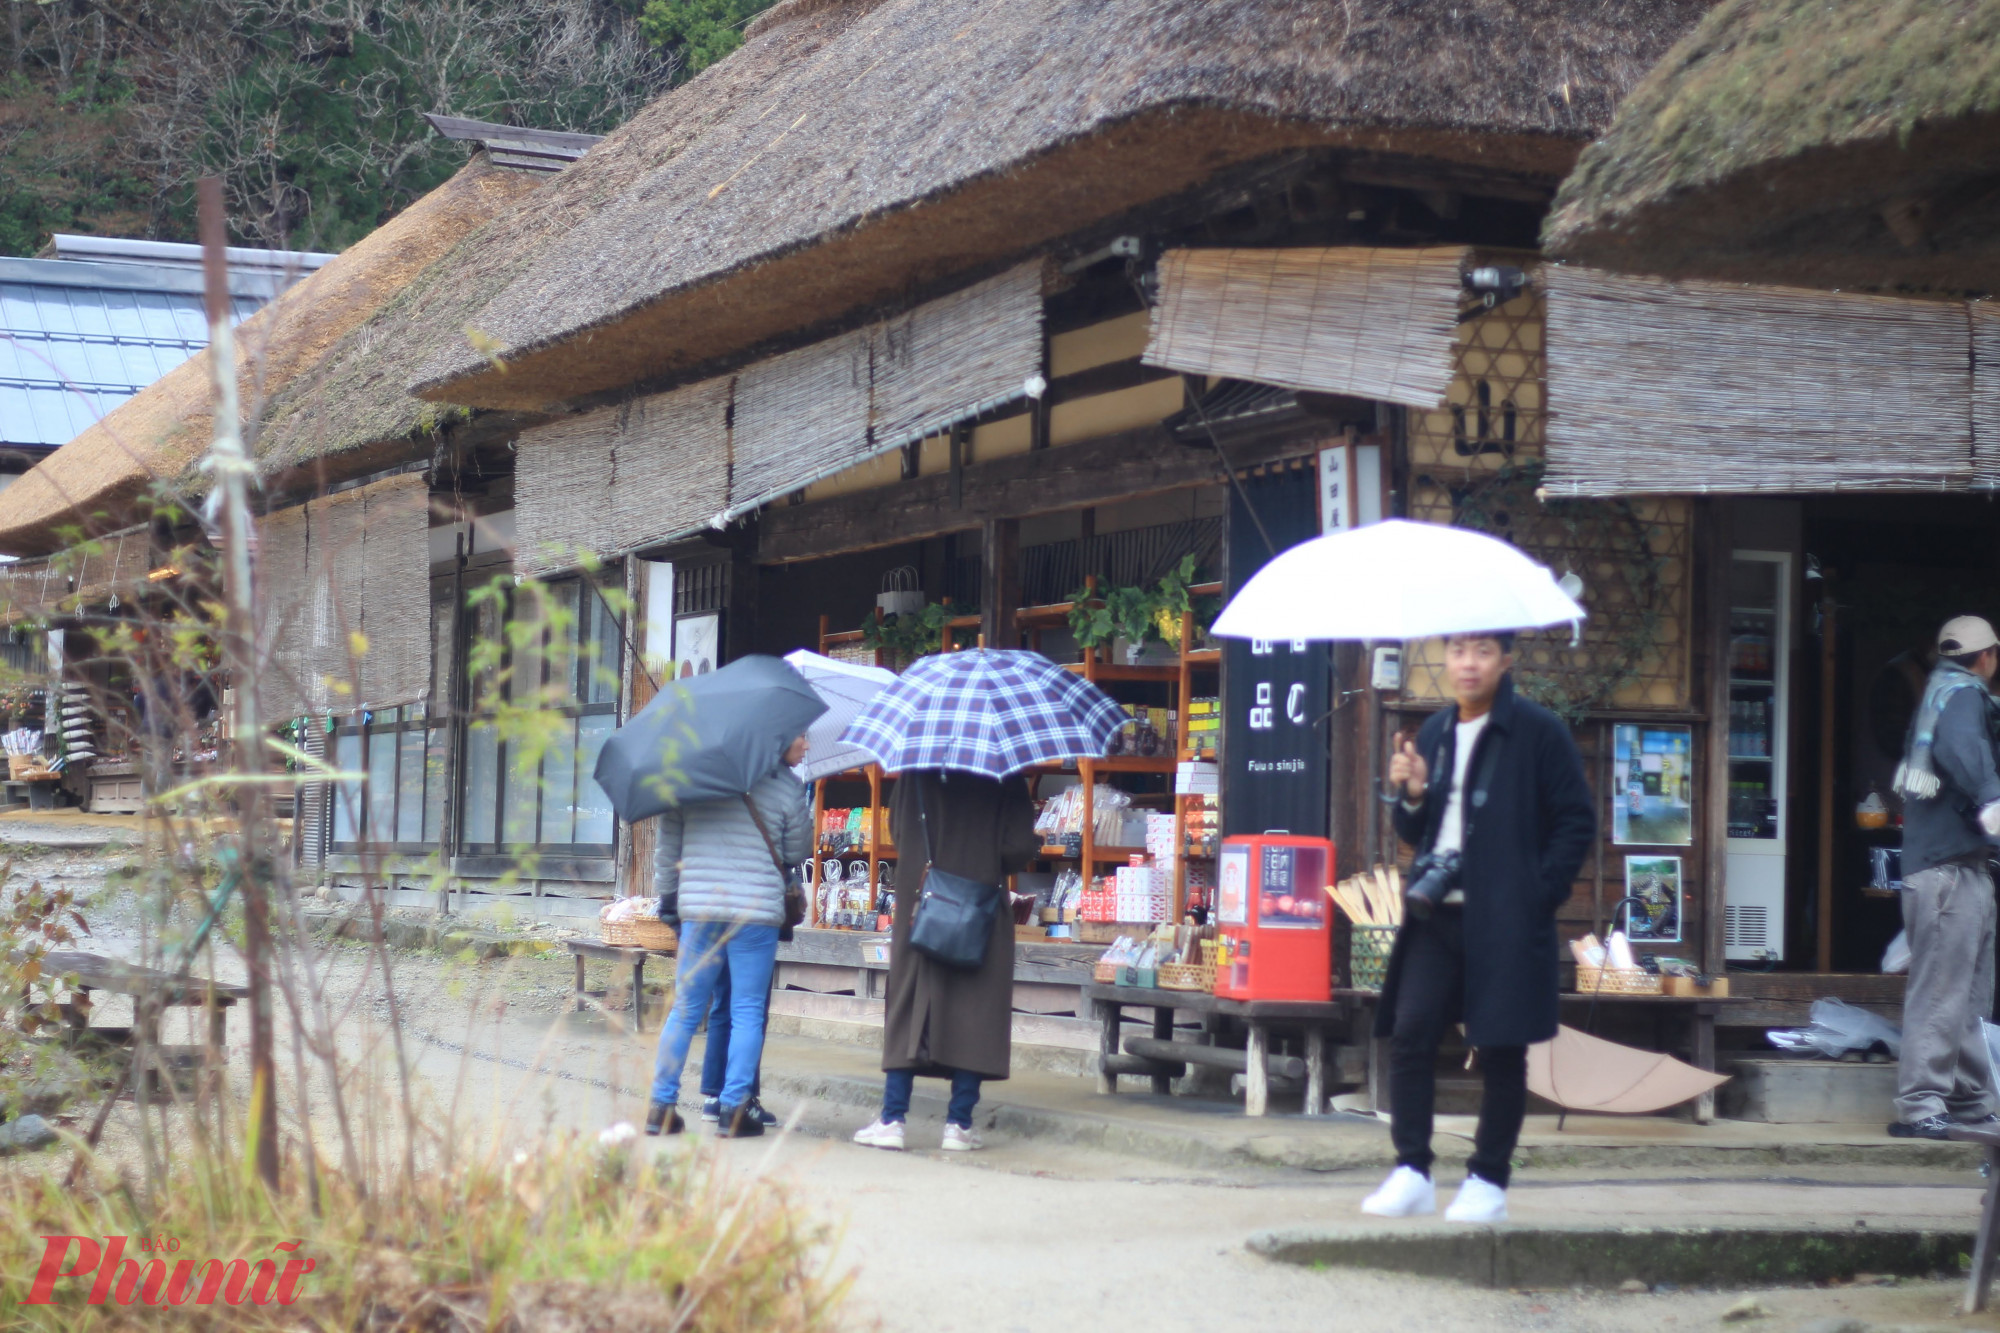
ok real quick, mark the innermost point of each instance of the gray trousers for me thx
(1945, 1070)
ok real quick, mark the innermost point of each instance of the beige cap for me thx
(1966, 634)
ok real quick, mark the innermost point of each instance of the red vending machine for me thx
(1274, 918)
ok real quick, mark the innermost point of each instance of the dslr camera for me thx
(1432, 876)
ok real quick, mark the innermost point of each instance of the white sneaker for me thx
(1478, 1201)
(960, 1140)
(886, 1134)
(1406, 1193)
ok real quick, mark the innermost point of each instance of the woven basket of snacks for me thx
(1615, 981)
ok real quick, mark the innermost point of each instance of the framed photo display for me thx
(1652, 786)
(1655, 881)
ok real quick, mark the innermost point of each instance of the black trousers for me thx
(1430, 996)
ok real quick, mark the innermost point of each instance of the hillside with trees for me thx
(309, 110)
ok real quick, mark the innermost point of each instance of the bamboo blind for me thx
(344, 599)
(112, 565)
(1477, 461)
(1985, 317)
(1371, 322)
(562, 476)
(670, 466)
(620, 479)
(799, 416)
(955, 357)
(1700, 386)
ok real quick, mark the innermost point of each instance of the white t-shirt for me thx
(1451, 829)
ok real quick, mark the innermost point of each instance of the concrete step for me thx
(1782, 1091)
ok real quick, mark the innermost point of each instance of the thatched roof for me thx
(1839, 143)
(282, 350)
(855, 150)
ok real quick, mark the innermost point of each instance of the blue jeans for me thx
(715, 1055)
(898, 1083)
(751, 952)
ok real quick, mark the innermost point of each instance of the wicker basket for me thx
(644, 932)
(1187, 976)
(1615, 981)
(1368, 956)
(1104, 974)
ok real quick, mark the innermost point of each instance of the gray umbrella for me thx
(706, 737)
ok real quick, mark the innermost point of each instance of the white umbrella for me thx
(847, 687)
(1396, 580)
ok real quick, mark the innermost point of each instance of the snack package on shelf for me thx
(1204, 726)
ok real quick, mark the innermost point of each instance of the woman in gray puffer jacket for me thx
(731, 894)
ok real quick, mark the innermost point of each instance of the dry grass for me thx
(571, 1234)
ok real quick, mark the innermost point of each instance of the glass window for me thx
(410, 785)
(518, 806)
(594, 821)
(559, 787)
(347, 794)
(535, 789)
(482, 782)
(382, 779)
(437, 761)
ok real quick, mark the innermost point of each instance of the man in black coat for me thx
(1498, 780)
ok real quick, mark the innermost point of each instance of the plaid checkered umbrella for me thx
(985, 711)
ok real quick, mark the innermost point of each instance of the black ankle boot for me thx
(663, 1119)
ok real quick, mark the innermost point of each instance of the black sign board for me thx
(1275, 694)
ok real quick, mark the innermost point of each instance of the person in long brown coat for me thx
(941, 1021)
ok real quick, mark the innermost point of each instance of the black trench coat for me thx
(1522, 851)
(939, 1017)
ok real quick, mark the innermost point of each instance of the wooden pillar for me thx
(1715, 542)
(1000, 581)
(1829, 662)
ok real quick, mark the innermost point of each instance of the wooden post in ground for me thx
(231, 468)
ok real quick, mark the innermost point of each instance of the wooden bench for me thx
(151, 991)
(1163, 1059)
(1981, 1278)
(630, 955)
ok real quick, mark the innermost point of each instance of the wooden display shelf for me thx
(1115, 855)
(1165, 673)
(1203, 657)
(1133, 763)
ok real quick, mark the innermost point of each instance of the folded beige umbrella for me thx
(1584, 1073)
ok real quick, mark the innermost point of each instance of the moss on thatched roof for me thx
(854, 150)
(283, 352)
(1840, 142)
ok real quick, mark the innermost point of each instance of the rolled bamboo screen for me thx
(799, 416)
(1698, 386)
(1371, 322)
(956, 357)
(620, 479)
(344, 599)
(88, 573)
(1985, 317)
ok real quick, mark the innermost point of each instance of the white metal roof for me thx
(77, 337)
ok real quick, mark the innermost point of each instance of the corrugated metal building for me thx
(84, 330)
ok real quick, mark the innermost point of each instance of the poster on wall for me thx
(697, 644)
(1655, 882)
(1652, 782)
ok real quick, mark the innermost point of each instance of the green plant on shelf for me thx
(904, 638)
(1140, 614)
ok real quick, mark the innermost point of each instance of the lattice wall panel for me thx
(1478, 463)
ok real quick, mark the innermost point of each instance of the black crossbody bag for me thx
(953, 923)
(795, 893)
